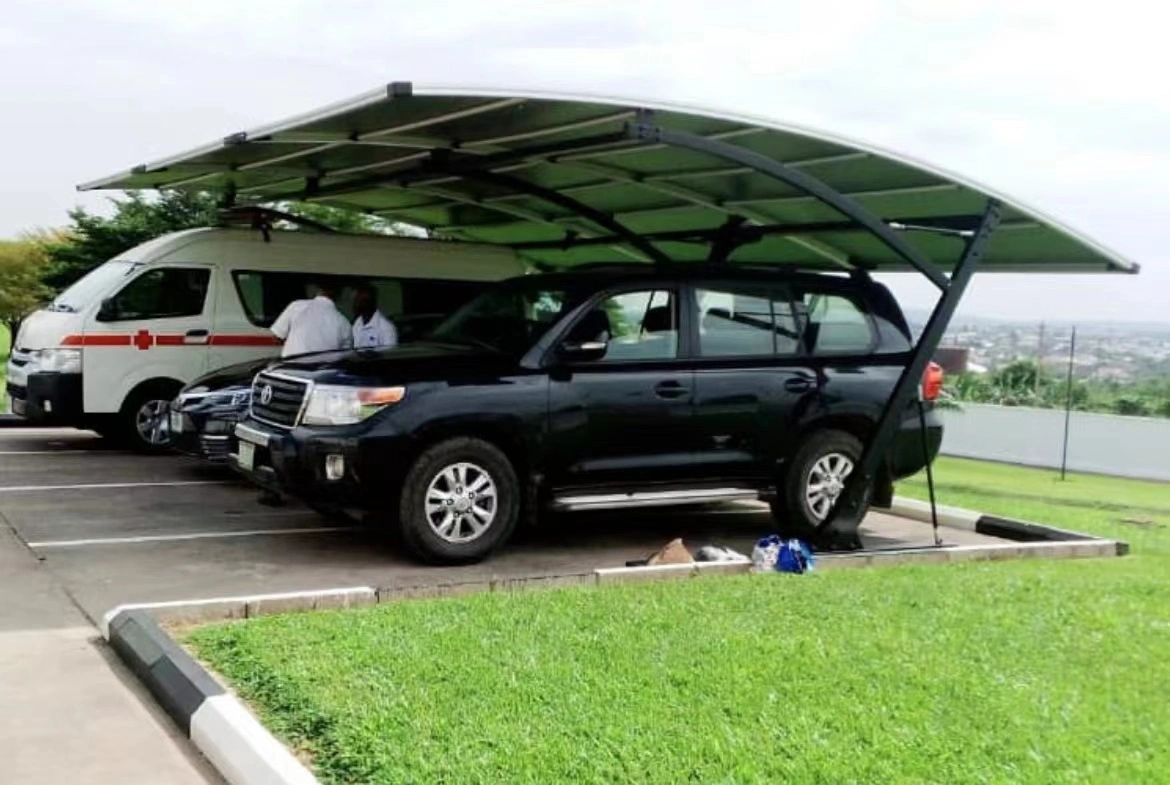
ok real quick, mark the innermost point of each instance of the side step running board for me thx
(614, 501)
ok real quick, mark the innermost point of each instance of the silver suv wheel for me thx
(461, 502)
(826, 480)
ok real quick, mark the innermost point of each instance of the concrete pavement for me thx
(69, 712)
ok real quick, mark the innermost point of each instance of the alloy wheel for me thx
(826, 481)
(461, 502)
(152, 424)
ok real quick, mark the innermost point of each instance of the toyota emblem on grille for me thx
(266, 394)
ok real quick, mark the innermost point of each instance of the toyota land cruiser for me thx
(612, 387)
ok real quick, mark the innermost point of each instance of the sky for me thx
(1061, 105)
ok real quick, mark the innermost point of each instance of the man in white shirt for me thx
(370, 328)
(313, 325)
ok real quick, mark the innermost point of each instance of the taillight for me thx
(932, 382)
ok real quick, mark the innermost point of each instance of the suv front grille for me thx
(281, 406)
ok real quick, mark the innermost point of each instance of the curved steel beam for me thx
(649, 133)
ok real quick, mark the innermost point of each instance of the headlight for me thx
(57, 360)
(330, 405)
(234, 398)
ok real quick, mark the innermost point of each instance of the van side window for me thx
(264, 295)
(835, 324)
(163, 293)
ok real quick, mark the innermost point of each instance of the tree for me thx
(90, 239)
(341, 219)
(22, 262)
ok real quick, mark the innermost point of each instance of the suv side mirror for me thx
(108, 311)
(586, 351)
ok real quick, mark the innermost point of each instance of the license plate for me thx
(247, 455)
(176, 422)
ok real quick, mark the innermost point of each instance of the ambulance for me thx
(112, 350)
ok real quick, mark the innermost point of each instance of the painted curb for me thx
(995, 525)
(219, 725)
(244, 607)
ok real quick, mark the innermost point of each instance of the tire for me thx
(142, 424)
(444, 476)
(826, 457)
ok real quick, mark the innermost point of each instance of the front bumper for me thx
(205, 432)
(294, 463)
(48, 398)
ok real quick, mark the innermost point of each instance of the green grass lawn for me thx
(1006, 672)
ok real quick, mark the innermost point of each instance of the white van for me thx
(112, 350)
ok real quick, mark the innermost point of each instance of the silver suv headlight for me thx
(56, 361)
(334, 405)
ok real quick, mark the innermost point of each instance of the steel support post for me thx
(839, 531)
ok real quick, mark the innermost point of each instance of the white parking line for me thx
(61, 451)
(181, 537)
(102, 485)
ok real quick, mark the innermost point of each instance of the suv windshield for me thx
(511, 317)
(94, 284)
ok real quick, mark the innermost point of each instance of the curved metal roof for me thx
(562, 177)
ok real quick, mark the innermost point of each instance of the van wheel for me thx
(144, 423)
(460, 501)
(815, 479)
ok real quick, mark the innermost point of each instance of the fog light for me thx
(334, 467)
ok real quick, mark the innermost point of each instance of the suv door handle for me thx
(195, 336)
(670, 389)
(798, 384)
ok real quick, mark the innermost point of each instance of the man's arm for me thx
(283, 322)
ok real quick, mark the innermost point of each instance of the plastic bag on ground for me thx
(774, 553)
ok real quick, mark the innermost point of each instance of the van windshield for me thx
(92, 285)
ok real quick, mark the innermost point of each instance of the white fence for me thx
(1098, 443)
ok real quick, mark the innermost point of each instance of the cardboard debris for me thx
(674, 552)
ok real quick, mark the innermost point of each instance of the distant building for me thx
(953, 359)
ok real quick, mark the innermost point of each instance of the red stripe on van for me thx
(144, 340)
(100, 339)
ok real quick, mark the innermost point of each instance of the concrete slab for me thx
(71, 712)
(151, 543)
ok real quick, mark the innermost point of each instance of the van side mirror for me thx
(586, 351)
(108, 311)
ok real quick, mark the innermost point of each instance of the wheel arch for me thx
(162, 383)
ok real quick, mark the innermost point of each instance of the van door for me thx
(156, 327)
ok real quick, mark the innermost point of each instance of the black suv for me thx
(596, 389)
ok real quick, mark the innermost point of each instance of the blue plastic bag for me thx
(795, 556)
(773, 553)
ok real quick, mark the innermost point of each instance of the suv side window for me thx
(164, 293)
(836, 325)
(638, 326)
(739, 320)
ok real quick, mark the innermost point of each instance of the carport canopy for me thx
(570, 179)
(567, 180)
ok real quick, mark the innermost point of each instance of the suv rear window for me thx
(264, 295)
(836, 324)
